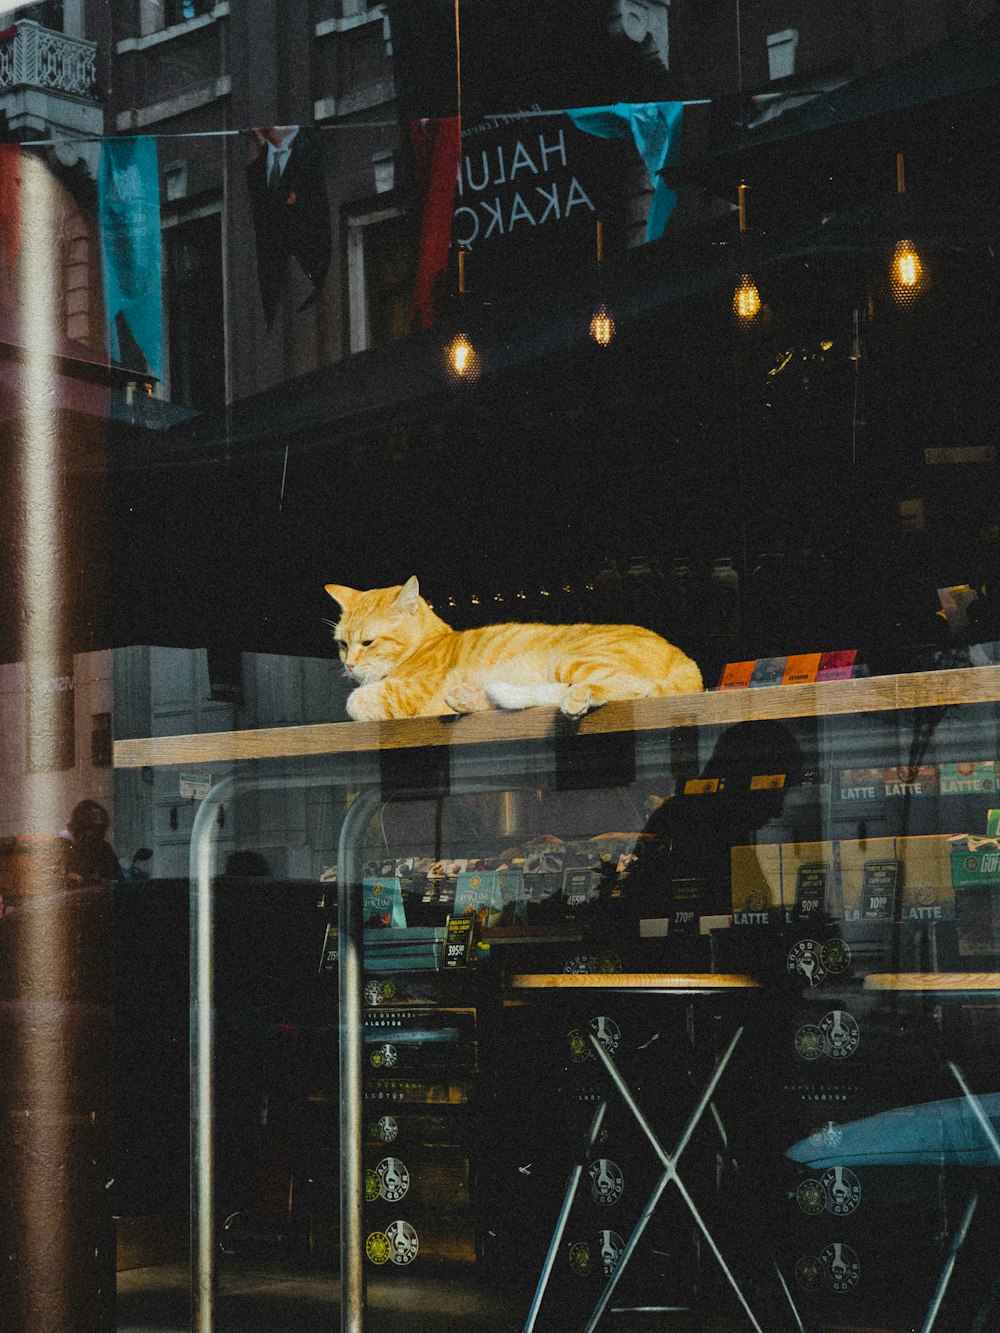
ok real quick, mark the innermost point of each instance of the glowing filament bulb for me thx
(908, 273)
(461, 354)
(602, 326)
(462, 359)
(746, 299)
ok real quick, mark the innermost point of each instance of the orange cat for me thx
(407, 662)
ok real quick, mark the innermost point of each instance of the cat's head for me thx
(380, 628)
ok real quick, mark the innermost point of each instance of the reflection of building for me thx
(219, 537)
(58, 723)
(69, 69)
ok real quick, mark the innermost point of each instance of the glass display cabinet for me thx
(688, 1006)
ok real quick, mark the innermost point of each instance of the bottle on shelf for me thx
(608, 598)
(645, 593)
(725, 599)
(680, 591)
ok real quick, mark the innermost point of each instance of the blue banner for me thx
(128, 210)
(656, 132)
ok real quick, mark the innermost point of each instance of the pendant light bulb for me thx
(908, 274)
(746, 299)
(462, 358)
(602, 326)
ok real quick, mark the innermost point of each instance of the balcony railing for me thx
(35, 57)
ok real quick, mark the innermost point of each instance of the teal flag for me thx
(128, 210)
(656, 132)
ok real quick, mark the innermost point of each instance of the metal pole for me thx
(350, 949)
(557, 1235)
(202, 1094)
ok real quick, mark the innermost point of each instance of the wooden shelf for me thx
(873, 694)
(933, 981)
(685, 982)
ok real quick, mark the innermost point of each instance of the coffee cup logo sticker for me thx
(842, 1190)
(840, 1266)
(827, 1136)
(393, 1178)
(607, 1032)
(385, 1129)
(403, 1242)
(611, 1246)
(607, 1184)
(385, 1057)
(804, 960)
(841, 1034)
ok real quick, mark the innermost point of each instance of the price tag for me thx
(878, 890)
(458, 937)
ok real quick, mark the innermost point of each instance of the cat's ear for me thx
(341, 595)
(408, 597)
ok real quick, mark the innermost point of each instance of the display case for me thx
(831, 850)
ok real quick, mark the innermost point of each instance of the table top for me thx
(670, 982)
(933, 981)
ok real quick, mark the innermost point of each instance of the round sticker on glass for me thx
(377, 1247)
(607, 1184)
(842, 1189)
(841, 1034)
(403, 1242)
(840, 1266)
(804, 961)
(394, 1179)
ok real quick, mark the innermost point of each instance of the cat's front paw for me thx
(367, 704)
(468, 698)
(577, 700)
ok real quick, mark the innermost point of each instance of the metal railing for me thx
(35, 57)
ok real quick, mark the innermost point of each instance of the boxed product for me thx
(897, 879)
(968, 778)
(975, 862)
(756, 884)
(927, 891)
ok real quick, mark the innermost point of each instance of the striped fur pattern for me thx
(406, 662)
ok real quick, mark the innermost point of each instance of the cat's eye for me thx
(367, 643)
(340, 645)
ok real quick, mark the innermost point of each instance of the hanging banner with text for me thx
(521, 193)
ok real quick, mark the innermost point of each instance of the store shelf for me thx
(874, 694)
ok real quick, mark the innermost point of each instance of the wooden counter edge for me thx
(933, 981)
(923, 689)
(685, 981)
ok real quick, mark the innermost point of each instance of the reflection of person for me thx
(693, 834)
(290, 208)
(243, 861)
(90, 858)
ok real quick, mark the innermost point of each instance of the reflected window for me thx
(380, 278)
(47, 13)
(195, 323)
(179, 11)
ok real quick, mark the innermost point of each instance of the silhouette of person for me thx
(689, 851)
(89, 857)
